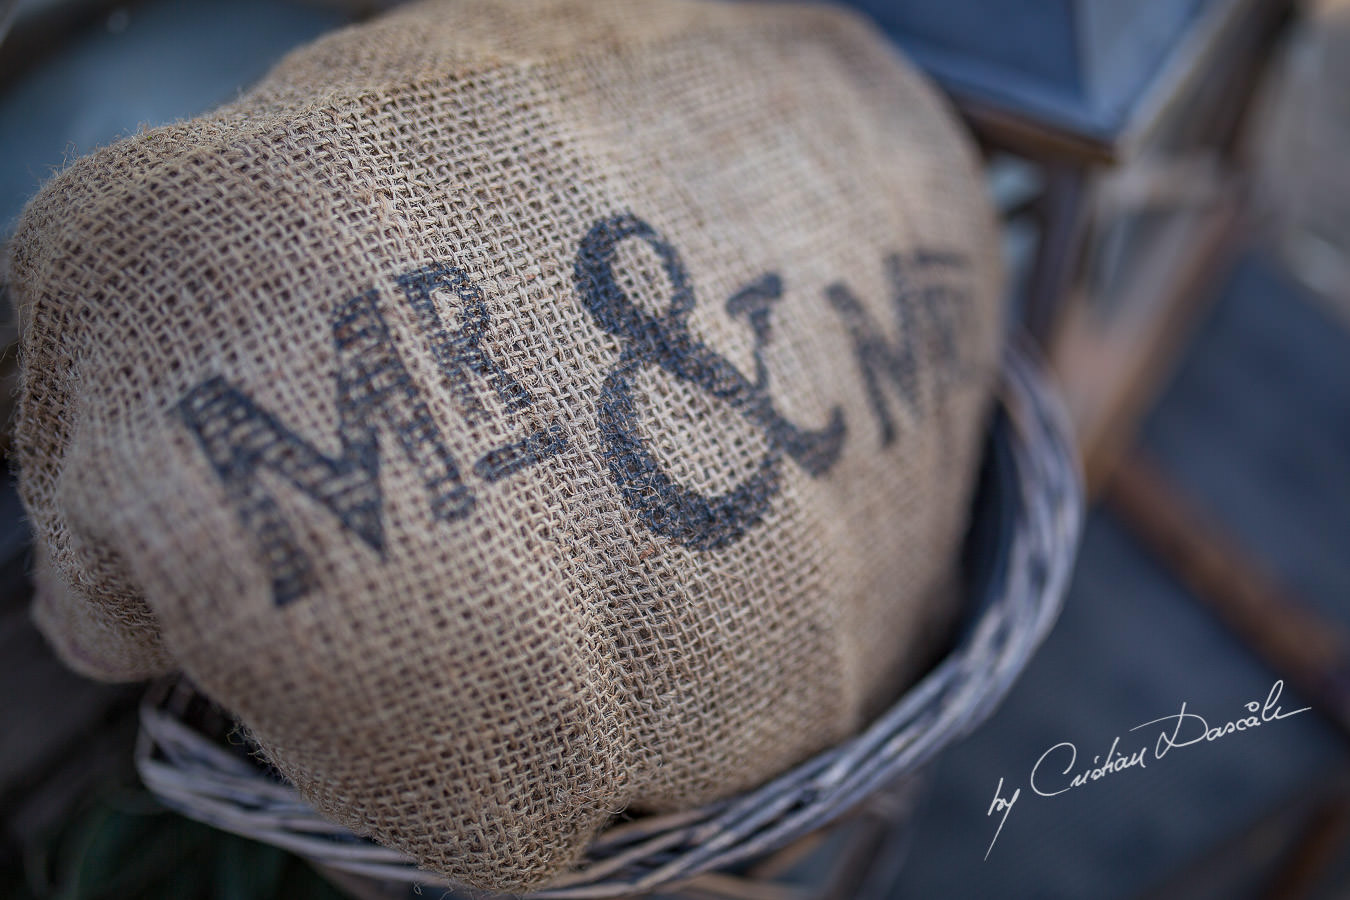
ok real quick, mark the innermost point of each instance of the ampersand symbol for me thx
(666, 507)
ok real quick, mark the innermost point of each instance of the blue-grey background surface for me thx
(1255, 427)
(150, 64)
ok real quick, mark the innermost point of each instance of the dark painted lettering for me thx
(374, 391)
(664, 340)
(377, 399)
(914, 293)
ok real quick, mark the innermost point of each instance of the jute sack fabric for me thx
(520, 412)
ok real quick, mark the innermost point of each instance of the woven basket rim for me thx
(192, 774)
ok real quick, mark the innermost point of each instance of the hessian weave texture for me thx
(518, 412)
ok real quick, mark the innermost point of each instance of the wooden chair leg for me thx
(1310, 652)
(1063, 232)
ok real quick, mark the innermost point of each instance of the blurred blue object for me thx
(150, 64)
(1081, 64)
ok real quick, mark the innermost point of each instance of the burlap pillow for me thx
(518, 412)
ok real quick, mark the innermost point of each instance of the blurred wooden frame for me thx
(1110, 365)
(1113, 360)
